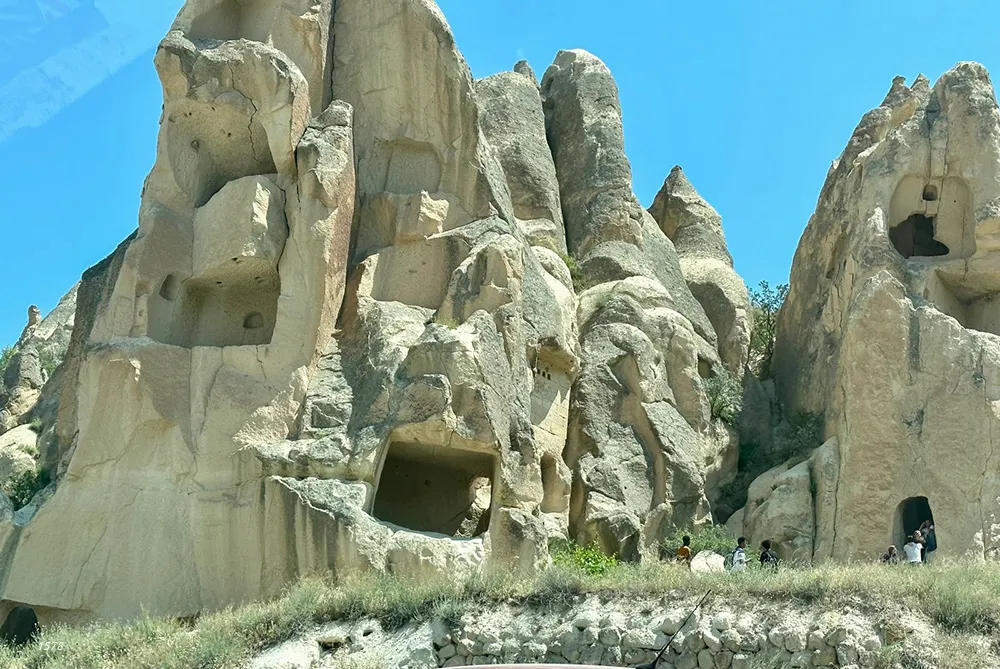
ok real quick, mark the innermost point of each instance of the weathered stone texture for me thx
(347, 336)
(889, 326)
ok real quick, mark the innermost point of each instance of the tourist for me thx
(737, 559)
(918, 536)
(890, 556)
(768, 558)
(913, 551)
(930, 539)
(684, 552)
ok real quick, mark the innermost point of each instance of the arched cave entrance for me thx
(20, 627)
(435, 489)
(910, 514)
(914, 237)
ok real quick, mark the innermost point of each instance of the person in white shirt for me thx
(912, 551)
(738, 558)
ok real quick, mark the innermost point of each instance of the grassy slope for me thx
(960, 599)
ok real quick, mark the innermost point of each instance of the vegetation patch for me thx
(22, 487)
(6, 355)
(588, 559)
(725, 396)
(49, 360)
(765, 302)
(574, 271)
(961, 598)
(715, 538)
(794, 440)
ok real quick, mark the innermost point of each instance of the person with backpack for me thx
(737, 558)
(768, 558)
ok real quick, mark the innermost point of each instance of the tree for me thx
(766, 303)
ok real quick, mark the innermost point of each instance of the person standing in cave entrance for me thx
(919, 538)
(913, 551)
(930, 539)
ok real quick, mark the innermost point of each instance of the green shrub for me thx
(766, 303)
(22, 487)
(796, 437)
(714, 538)
(588, 559)
(574, 271)
(725, 396)
(6, 355)
(49, 361)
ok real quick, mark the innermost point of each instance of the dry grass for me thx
(963, 600)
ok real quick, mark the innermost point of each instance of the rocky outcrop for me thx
(695, 228)
(346, 335)
(514, 124)
(642, 440)
(34, 360)
(794, 506)
(889, 328)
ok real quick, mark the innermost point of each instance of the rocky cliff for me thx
(377, 315)
(890, 330)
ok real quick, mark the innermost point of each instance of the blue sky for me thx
(754, 100)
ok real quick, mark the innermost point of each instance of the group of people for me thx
(918, 547)
(737, 558)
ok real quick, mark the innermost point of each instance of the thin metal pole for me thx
(652, 665)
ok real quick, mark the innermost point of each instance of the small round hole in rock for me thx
(930, 193)
(253, 321)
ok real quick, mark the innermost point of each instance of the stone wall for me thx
(610, 632)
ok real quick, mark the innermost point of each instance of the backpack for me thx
(730, 558)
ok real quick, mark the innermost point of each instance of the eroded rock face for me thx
(890, 324)
(642, 440)
(695, 228)
(34, 362)
(345, 336)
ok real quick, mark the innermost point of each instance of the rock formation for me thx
(695, 228)
(642, 439)
(890, 331)
(33, 361)
(347, 336)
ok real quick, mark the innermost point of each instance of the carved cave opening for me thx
(234, 19)
(215, 311)
(914, 237)
(436, 489)
(20, 628)
(910, 514)
(931, 217)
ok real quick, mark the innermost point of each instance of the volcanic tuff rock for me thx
(695, 228)
(891, 322)
(346, 337)
(642, 438)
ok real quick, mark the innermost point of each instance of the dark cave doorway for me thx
(914, 237)
(20, 628)
(910, 514)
